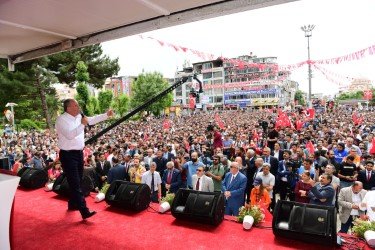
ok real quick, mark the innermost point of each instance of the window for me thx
(217, 74)
(219, 99)
(207, 66)
(207, 75)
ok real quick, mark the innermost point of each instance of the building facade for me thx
(119, 85)
(246, 81)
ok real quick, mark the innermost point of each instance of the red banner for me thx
(191, 101)
(367, 95)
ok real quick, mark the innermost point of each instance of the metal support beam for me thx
(10, 65)
(26, 27)
(190, 15)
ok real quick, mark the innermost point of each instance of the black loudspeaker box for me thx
(32, 178)
(305, 222)
(204, 207)
(4, 163)
(61, 185)
(128, 195)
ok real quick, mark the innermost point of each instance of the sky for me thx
(341, 27)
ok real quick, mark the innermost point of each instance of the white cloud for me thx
(342, 27)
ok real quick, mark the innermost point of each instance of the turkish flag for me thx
(311, 113)
(299, 124)
(310, 147)
(372, 150)
(166, 124)
(367, 95)
(191, 102)
(219, 122)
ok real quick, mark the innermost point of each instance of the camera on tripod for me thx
(263, 124)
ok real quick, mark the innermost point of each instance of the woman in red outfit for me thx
(303, 186)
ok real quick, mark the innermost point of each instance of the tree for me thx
(93, 107)
(83, 97)
(83, 94)
(351, 95)
(148, 85)
(82, 76)
(99, 66)
(105, 99)
(299, 97)
(120, 104)
(36, 98)
(29, 87)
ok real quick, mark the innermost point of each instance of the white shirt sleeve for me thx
(67, 130)
(96, 119)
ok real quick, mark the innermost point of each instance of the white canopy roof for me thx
(34, 28)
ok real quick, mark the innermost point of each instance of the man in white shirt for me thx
(153, 180)
(268, 180)
(70, 131)
(350, 199)
(368, 203)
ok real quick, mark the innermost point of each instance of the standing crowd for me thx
(327, 161)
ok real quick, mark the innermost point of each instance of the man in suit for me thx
(283, 174)
(102, 167)
(149, 158)
(349, 201)
(127, 165)
(267, 158)
(278, 153)
(171, 178)
(117, 172)
(233, 187)
(367, 176)
(201, 182)
(274, 163)
(167, 154)
(250, 172)
(161, 162)
(322, 193)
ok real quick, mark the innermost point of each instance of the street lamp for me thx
(308, 33)
(11, 105)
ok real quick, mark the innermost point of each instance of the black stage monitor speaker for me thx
(61, 185)
(4, 163)
(128, 195)
(200, 206)
(32, 177)
(305, 222)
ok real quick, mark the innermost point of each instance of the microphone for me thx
(83, 116)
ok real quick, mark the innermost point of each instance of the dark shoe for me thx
(72, 208)
(88, 214)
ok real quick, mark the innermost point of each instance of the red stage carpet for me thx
(41, 221)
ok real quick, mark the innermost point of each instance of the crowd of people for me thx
(245, 154)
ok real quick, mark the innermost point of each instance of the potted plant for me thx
(250, 215)
(166, 202)
(101, 195)
(362, 226)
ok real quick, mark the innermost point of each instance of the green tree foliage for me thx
(148, 85)
(120, 104)
(28, 124)
(93, 107)
(351, 95)
(105, 99)
(99, 66)
(82, 76)
(299, 97)
(21, 87)
(83, 97)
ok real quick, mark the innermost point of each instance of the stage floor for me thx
(41, 221)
